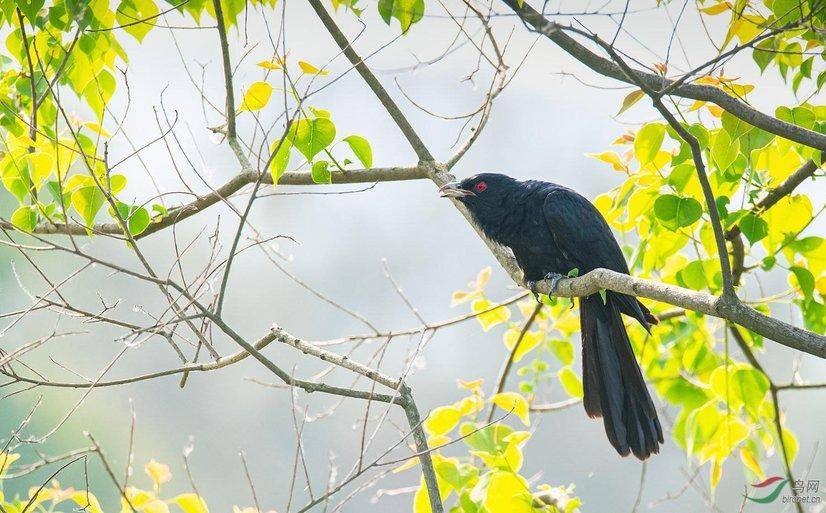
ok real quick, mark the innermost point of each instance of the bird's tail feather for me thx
(614, 387)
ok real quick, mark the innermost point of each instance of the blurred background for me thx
(552, 113)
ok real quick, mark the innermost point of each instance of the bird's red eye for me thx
(480, 187)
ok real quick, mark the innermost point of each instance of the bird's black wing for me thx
(585, 240)
(581, 232)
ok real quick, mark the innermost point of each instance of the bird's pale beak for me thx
(452, 190)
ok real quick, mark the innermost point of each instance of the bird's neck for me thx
(500, 225)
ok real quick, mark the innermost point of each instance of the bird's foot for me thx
(554, 279)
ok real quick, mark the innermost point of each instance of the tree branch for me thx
(372, 82)
(555, 32)
(225, 191)
(703, 302)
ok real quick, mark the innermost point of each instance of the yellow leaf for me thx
(51, 493)
(156, 506)
(421, 501)
(470, 405)
(158, 472)
(489, 318)
(309, 69)
(257, 96)
(566, 322)
(515, 403)
(434, 442)
(460, 296)
(482, 278)
(442, 420)
(715, 9)
(137, 499)
(610, 157)
(715, 111)
(271, 65)
(473, 386)
(65, 155)
(87, 501)
(412, 462)
(530, 340)
(6, 460)
(570, 381)
(39, 166)
(96, 128)
(750, 461)
(508, 493)
(716, 473)
(191, 503)
(820, 286)
(629, 101)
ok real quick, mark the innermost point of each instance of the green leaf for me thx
(311, 136)
(321, 173)
(753, 227)
(361, 148)
(98, 92)
(407, 12)
(25, 218)
(30, 8)
(693, 276)
(281, 159)
(136, 217)
(648, 141)
(604, 295)
(87, 201)
(724, 151)
(573, 273)
(676, 212)
(805, 280)
(751, 386)
(488, 439)
(129, 13)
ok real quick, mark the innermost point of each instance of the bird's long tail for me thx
(614, 386)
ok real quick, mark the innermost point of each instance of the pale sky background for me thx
(541, 127)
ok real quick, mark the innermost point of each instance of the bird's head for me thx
(480, 190)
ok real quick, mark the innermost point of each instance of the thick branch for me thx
(703, 302)
(232, 186)
(605, 67)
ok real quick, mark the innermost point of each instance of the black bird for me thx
(551, 231)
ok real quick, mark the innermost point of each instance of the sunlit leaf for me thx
(309, 69)
(158, 472)
(515, 403)
(25, 218)
(676, 212)
(256, 97)
(442, 420)
(630, 99)
(311, 136)
(570, 381)
(361, 148)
